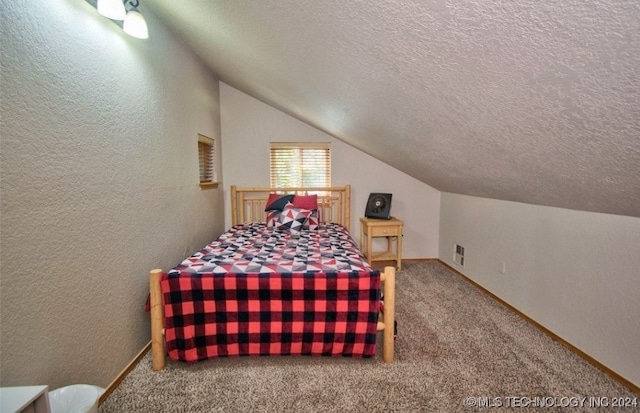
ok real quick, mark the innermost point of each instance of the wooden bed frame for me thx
(247, 205)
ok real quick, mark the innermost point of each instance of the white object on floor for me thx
(77, 398)
(24, 398)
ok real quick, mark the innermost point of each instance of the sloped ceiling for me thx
(534, 101)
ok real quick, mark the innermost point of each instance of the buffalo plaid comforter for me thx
(261, 291)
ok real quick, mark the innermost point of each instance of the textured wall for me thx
(99, 185)
(575, 273)
(248, 126)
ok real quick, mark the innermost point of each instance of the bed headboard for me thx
(247, 204)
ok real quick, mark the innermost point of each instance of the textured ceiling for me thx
(534, 101)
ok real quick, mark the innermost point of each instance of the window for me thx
(207, 162)
(300, 164)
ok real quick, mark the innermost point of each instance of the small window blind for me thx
(300, 164)
(206, 159)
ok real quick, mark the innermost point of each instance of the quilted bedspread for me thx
(261, 291)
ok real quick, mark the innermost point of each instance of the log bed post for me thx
(388, 277)
(234, 205)
(157, 320)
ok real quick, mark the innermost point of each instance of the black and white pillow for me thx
(293, 219)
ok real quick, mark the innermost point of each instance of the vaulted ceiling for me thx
(534, 101)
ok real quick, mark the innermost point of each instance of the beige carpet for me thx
(456, 347)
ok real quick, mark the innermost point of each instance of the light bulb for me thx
(135, 25)
(113, 9)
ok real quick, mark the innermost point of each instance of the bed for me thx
(283, 281)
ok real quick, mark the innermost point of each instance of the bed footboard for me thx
(158, 353)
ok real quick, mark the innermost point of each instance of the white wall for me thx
(576, 273)
(249, 125)
(99, 185)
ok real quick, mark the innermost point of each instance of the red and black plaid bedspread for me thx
(260, 291)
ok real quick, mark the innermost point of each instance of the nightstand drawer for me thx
(393, 231)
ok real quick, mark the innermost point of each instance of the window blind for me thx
(206, 159)
(300, 164)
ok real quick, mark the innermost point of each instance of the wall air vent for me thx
(458, 254)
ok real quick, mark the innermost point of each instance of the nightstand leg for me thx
(399, 251)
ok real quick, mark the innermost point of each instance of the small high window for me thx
(207, 162)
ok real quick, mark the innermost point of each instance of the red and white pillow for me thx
(308, 202)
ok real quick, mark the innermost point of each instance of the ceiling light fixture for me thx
(124, 13)
(135, 25)
(113, 9)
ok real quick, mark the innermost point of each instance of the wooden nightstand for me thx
(389, 228)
